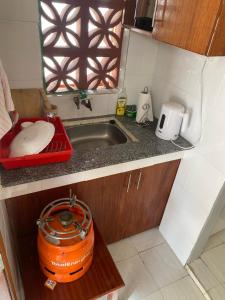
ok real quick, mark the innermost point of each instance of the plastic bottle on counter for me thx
(121, 103)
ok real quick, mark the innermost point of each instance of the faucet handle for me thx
(81, 97)
(76, 100)
(87, 103)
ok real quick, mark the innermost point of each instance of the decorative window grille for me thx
(81, 43)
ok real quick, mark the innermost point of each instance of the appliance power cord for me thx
(201, 111)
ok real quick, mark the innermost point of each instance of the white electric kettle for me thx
(173, 119)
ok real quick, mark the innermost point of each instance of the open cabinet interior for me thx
(23, 213)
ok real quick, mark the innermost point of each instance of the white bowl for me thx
(32, 139)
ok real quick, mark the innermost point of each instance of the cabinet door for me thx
(105, 197)
(217, 47)
(122, 204)
(148, 196)
(188, 24)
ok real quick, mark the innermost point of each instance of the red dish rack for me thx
(59, 149)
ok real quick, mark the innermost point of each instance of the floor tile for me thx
(155, 296)
(138, 282)
(147, 239)
(122, 250)
(217, 293)
(184, 289)
(221, 235)
(215, 260)
(163, 265)
(202, 272)
(214, 241)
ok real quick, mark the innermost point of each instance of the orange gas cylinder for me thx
(65, 239)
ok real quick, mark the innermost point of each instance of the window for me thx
(81, 43)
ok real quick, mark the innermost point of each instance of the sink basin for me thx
(92, 136)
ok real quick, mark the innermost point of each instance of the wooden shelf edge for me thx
(138, 30)
(101, 279)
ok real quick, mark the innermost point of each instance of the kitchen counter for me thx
(96, 163)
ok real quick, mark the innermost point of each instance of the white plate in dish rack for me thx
(32, 139)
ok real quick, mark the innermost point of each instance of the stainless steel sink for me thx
(92, 136)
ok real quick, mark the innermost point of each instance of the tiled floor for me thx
(151, 271)
(210, 267)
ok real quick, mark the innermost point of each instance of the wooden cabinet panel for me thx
(105, 197)
(188, 24)
(217, 46)
(122, 204)
(148, 196)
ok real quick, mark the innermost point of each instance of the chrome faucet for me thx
(87, 103)
(83, 101)
(76, 100)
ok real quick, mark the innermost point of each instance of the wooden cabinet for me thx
(106, 197)
(122, 204)
(148, 195)
(194, 25)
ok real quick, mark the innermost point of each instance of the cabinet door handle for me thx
(139, 180)
(128, 184)
(154, 13)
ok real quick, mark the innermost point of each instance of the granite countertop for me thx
(148, 146)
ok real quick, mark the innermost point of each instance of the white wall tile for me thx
(179, 67)
(101, 105)
(164, 91)
(178, 77)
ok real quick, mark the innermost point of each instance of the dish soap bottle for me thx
(121, 103)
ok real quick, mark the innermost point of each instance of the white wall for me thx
(20, 47)
(20, 53)
(201, 173)
(178, 77)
